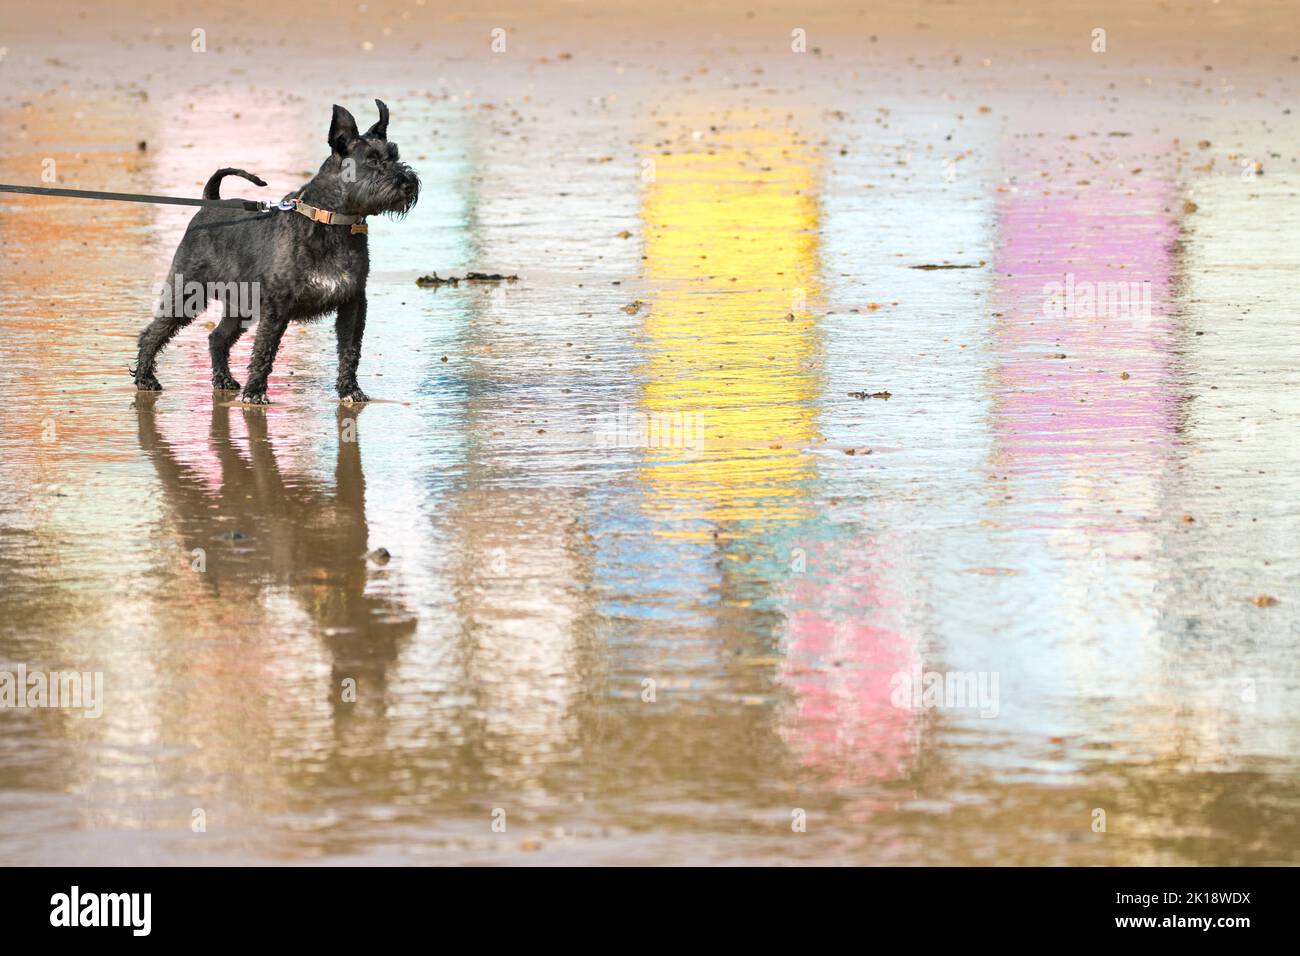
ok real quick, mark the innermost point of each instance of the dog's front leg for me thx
(270, 329)
(350, 326)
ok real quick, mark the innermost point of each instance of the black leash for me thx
(252, 205)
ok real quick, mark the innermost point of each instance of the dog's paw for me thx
(147, 383)
(250, 397)
(354, 396)
(225, 383)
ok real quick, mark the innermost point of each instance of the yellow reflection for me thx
(731, 248)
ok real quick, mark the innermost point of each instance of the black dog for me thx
(290, 266)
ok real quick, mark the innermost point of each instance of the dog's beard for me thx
(389, 196)
(402, 204)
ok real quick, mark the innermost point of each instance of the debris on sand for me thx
(862, 395)
(1263, 600)
(379, 555)
(930, 267)
(433, 280)
(633, 307)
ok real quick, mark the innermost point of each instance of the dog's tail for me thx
(213, 189)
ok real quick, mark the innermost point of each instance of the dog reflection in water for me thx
(262, 530)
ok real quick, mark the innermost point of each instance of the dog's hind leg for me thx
(270, 329)
(166, 323)
(155, 335)
(220, 341)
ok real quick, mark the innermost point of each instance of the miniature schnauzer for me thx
(301, 267)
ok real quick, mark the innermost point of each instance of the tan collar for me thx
(316, 214)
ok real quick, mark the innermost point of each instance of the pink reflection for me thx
(200, 446)
(1084, 272)
(842, 654)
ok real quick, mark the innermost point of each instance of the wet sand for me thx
(719, 236)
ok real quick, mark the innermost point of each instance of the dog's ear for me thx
(343, 130)
(380, 129)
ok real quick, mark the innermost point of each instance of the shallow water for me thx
(639, 472)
